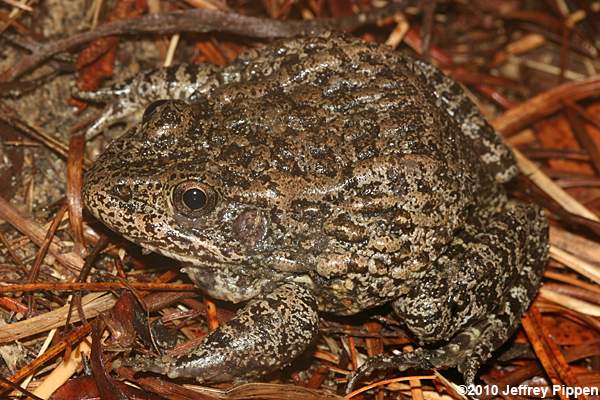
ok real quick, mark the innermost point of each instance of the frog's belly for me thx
(234, 283)
(357, 292)
(344, 295)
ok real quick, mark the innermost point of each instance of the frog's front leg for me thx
(127, 99)
(266, 335)
(472, 301)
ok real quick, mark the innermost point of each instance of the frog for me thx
(319, 176)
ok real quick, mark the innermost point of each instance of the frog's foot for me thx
(266, 335)
(466, 351)
(119, 106)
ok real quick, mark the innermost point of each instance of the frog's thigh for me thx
(487, 143)
(479, 289)
(266, 335)
(474, 330)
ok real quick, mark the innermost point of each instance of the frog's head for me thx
(169, 186)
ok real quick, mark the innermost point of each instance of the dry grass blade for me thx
(64, 370)
(576, 244)
(93, 304)
(11, 118)
(386, 382)
(95, 286)
(576, 292)
(41, 254)
(553, 190)
(174, 391)
(532, 324)
(583, 137)
(575, 263)
(20, 389)
(569, 302)
(19, 4)
(74, 186)
(274, 391)
(52, 352)
(572, 281)
(249, 391)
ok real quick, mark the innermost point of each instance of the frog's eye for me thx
(151, 108)
(193, 199)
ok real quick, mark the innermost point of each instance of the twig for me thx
(545, 104)
(41, 254)
(95, 286)
(20, 389)
(94, 304)
(575, 263)
(546, 349)
(583, 136)
(36, 234)
(200, 21)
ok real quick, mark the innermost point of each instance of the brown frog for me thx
(322, 174)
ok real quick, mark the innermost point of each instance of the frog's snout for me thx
(87, 194)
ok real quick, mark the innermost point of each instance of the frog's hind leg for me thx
(472, 301)
(265, 335)
(489, 145)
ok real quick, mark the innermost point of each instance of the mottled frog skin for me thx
(322, 174)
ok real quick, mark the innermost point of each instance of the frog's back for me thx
(360, 163)
(364, 86)
(323, 105)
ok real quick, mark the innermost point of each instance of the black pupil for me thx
(194, 199)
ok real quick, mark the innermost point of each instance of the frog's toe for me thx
(415, 359)
(143, 364)
(468, 369)
(372, 364)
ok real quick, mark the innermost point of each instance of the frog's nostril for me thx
(122, 191)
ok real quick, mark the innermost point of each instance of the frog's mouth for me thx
(208, 257)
